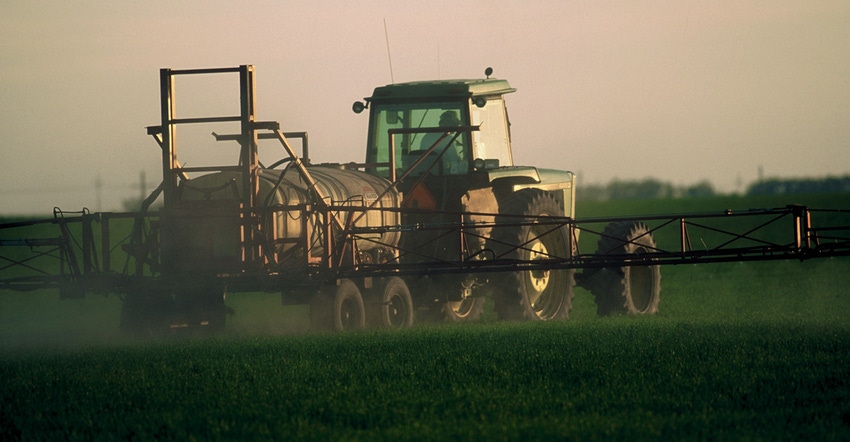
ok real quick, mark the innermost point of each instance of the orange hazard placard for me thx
(419, 198)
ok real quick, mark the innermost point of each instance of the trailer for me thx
(434, 223)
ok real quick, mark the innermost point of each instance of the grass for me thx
(624, 378)
(742, 351)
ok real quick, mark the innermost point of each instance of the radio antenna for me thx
(439, 77)
(389, 55)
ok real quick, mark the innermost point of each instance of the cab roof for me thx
(441, 89)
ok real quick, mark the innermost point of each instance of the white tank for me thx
(282, 200)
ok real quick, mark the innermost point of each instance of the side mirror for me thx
(358, 107)
(479, 101)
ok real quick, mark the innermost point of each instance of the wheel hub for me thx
(346, 313)
(395, 311)
(539, 279)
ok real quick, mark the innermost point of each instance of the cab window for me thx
(447, 158)
(491, 141)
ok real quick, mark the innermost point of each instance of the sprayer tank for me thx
(286, 206)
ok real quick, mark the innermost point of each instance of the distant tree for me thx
(649, 188)
(592, 192)
(778, 186)
(701, 189)
(646, 189)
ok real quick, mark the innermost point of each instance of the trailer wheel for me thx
(215, 311)
(537, 295)
(339, 308)
(628, 289)
(199, 310)
(392, 305)
(146, 312)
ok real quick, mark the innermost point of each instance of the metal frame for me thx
(754, 240)
(172, 171)
(802, 240)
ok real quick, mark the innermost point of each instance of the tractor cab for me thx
(438, 128)
(446, 144)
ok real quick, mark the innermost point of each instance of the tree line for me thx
(651, 188)
(800, 185)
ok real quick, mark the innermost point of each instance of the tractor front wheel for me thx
(455, 301)
(466, 310)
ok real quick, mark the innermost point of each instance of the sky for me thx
(678, 90)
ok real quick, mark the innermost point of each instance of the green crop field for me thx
(738, 351)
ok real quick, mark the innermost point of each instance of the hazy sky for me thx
(678, 90)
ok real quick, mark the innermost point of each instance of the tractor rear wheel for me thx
(627, 289)
(537, 295)
(391, 305)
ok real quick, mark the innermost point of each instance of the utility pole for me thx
(98, 190)
(143, 187)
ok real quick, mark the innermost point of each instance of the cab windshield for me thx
(449, 157)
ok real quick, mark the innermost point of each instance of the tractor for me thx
(448, 146)
(430, 226)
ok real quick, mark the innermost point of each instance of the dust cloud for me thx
(41, 321)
